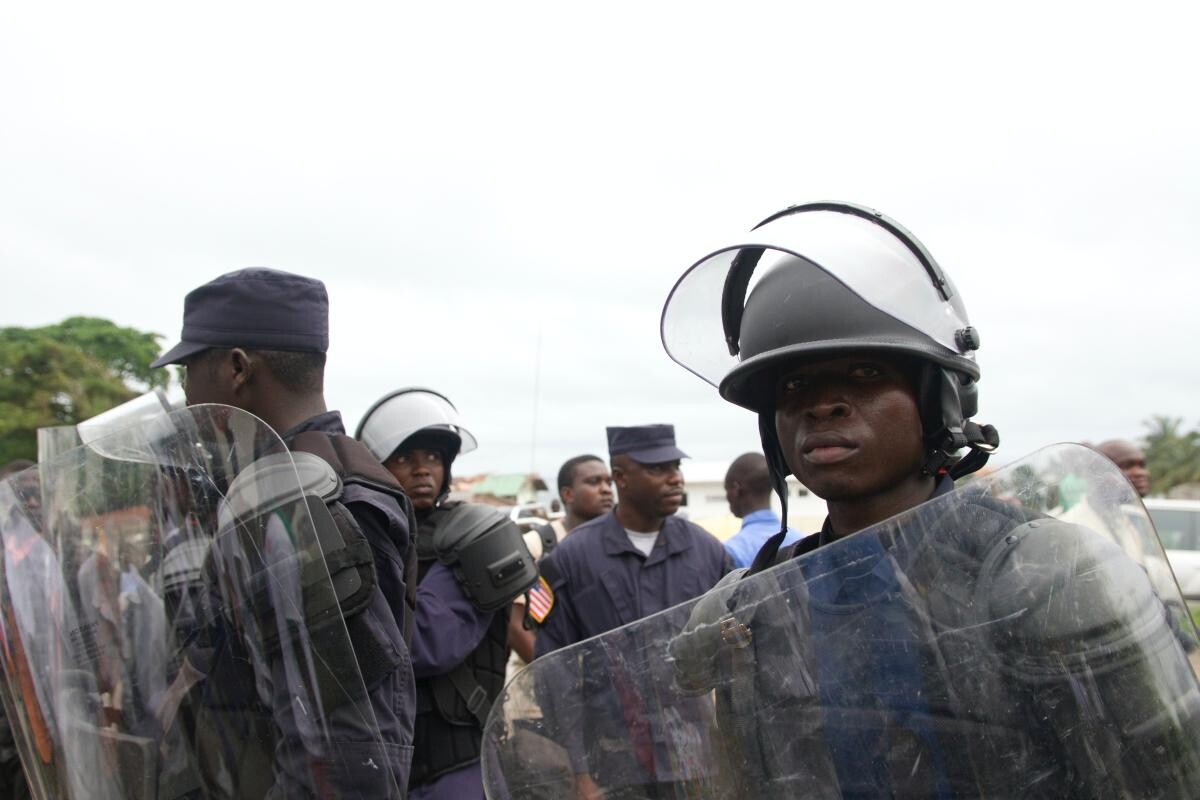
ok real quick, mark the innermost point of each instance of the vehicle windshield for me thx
(1178, 528)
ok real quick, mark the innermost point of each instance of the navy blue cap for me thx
(645, 444)
(254, 308)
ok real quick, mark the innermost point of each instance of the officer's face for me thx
(590, 494)
(202, 379)
(850, 427)
(421, 473)
(655, 490)
(1132, 462)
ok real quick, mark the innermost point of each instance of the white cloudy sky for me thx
(469, 178)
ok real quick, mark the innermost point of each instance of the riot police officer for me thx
(256, 339)
(460, 645)
(979, 658)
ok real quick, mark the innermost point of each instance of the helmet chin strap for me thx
(777, 466)
(980, 439)
(945, 403)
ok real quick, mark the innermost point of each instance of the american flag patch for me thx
(539, 600)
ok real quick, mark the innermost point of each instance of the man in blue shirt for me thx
(748, 490)
(636, 560)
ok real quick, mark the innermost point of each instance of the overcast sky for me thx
(470, 180)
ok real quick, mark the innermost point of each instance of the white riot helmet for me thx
(406, 413)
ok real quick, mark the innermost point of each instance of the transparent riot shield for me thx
(1020, 636)
(168, 624)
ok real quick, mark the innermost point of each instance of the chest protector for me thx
(453, 707)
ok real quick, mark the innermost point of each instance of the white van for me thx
(1178, 525)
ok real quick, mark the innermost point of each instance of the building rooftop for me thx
(507, 484)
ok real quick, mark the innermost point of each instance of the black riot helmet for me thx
(818, 280)
(415, 417)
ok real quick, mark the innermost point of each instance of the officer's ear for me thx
(617, 468)
(243, 368)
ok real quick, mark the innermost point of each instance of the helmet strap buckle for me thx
(981, 439)
(947, 444)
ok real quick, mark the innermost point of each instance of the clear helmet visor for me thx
(868, 259)
(400, 415)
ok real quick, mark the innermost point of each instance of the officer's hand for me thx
(586, 788)
(188, 677)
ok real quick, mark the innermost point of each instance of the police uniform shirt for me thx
(601, 581)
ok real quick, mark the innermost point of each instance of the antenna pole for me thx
(537, 381)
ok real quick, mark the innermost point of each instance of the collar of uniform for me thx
(673, 535)
(328, 422)
(762, 515)
(944, 485)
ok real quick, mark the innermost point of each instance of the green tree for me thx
(1172, 454)
(64, 373)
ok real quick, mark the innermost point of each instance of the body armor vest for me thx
(451, 707)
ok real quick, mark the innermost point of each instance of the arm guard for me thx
(1083, 635)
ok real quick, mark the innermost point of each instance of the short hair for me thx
(751, 471)
(297, 371)
(566, 473)
(1109, 448)
(15, 466)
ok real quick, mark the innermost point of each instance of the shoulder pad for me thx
(350, 459)
(280, 478)
(317, 476)
(462, 523)
(487, 553)
(1061, 590)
